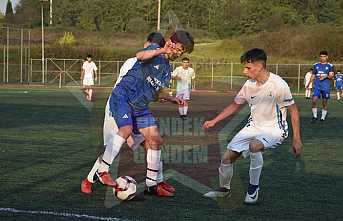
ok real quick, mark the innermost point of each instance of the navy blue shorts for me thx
(124, 114)
(323, 94)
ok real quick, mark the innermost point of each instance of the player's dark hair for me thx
(311, 69)
(324, 53)
(156, 37)
(185, 59)
(338, 70)
(89, 56)
(183, 38)
(255, 54)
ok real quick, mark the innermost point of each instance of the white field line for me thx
(66, 215)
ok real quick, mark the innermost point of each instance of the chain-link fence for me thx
(15, 44)
(209, 76)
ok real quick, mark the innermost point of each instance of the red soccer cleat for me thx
(158, 190)
(106, 179)
(167, 187)
(86, 186)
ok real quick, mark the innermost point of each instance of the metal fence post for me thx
(21, 55)
(117, 70)
(195, 71)
(231, 78)
(277, 69)
(4, 69)
(7, 52)
(29, 56)
(212, 73)
(299, 73)
(99, 74)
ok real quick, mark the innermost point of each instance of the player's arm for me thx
(151, 51)
(311, 80)
(164, 94)
(294, 113)
(229, 111)
(82, 73)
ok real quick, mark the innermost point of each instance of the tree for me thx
(9, 16)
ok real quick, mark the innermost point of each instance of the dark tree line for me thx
(220, 17)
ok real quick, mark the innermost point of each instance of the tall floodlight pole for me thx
(159, 15)
(42, 15)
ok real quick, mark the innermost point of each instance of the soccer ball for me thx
(126, 188)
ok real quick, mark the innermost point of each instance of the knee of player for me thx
(255, 146)
(156, 142)
(125, 131)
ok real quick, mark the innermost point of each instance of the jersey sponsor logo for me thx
(154, 82)
(252, 97)
(125, 116)
(157, 67)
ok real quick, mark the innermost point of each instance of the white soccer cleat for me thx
(251, 199)
(218, 193)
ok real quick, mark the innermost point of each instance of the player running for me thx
(339, 84)
(184, 76)
(322, 74)
(110, 127)
(265, 93)
(145, 82)
(88, 74)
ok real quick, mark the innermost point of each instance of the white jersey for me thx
(266, 101)
(128, 64)
(89, 68)
(186, 76)
(307, 79)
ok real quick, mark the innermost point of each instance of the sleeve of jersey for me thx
(174, 73)
(241, 97)
(94, 67)
(285, 97)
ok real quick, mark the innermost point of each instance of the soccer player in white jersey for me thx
(183, 76)
(308, 84)
(88, 74)
(265, 93)
(110, 128)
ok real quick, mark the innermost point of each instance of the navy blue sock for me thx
(252, 189)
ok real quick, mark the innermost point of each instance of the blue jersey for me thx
(339, 78)
(143, 82)
(319, 70)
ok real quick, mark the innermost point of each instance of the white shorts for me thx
(269, 136)
(184, 94)
(110, 129)
(88, 82)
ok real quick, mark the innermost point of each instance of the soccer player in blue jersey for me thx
(339, 84)
(322, 74)
(147, 81)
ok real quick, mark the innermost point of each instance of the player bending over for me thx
(339, 84)
(322, 74)
(183, 76)
(265, 93)
(110, 128)
(88, 74)
(144, 83)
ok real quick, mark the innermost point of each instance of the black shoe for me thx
(322, 120)
(314, 120)
(183, 117)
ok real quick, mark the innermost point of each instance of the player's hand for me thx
(179, 101)
(297, 148)
(208, 124)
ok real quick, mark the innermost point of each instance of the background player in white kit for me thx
(110, 128)
(88, 74)
(183, 76)
(265, 93)
(308, 84)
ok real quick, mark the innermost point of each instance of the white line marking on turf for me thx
(67, 215)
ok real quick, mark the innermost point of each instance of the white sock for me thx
(111, 152)
(93, 170)
(160, 173)
(324, 113)
(185, 110)
(225, 175)
(338, 95)
(181, 110)
(153, 159)
(256, 164)
(308, 93)
(314, 112)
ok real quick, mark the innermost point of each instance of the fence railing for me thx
(209, 76)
